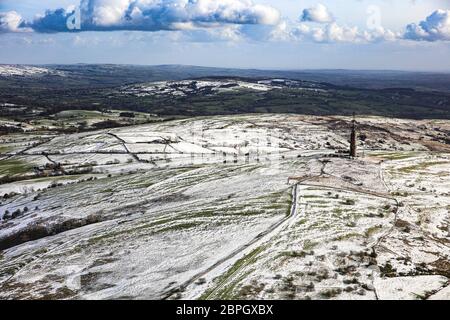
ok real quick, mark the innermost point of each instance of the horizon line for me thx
(233, 68)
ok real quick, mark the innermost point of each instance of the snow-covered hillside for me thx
(26, 71)
(230, 207)
(201, 87)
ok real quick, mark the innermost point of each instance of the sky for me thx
(264, 34)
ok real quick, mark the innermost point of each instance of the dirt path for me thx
(221, 266)
(247, 250)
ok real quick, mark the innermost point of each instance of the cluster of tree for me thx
(127, 115)
(107, 124)
(4, 130)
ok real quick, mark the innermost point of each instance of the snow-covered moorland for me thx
(25, 71)
(250, 206)
(212, 86)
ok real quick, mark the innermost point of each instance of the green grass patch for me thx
(290, 202)
(226, 293)
(372, 230)
(421, 166)
(208, 213)
(175, 227)
(309, 245)
(347, 236)
(5, 149)
(179, 227)
(14, 167)
(80, 115)
(396, 155)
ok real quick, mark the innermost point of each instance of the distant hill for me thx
(28, 91)
(103, 75)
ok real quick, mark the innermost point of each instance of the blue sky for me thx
(281, 34)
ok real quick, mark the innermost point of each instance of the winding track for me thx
(246, 249)
(273, 230)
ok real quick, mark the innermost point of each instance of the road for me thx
(224, 266)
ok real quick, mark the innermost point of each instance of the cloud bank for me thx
(219, 20)
(156, 15)
(330, 33)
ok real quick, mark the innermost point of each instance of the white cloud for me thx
(229, 33)
(381, 34)
(223, 20)
(280, 32)
(319, 13)
(329, 33)
(436, 27)
(11, 22)
(156, 15)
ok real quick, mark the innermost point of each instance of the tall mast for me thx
(353, 138)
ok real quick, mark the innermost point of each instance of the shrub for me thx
(349, 202)
(16, 213)
(330, 293)
(7, 215)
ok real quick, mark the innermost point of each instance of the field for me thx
(261, 206)
(35, 93)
